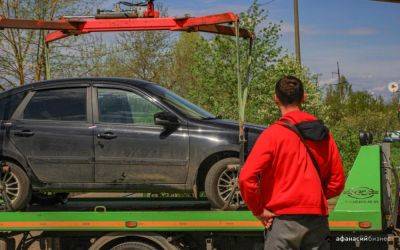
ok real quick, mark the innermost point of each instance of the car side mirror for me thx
(166, 119)
(366, 138)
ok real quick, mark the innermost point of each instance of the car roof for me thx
(62, 82)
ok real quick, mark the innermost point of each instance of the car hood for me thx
(229, 124)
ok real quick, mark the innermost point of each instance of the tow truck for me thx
(364, 216)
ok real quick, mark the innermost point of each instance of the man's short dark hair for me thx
(289, 90)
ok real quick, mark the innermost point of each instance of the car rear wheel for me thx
(134, 245)
(220, 182)
(16, 187)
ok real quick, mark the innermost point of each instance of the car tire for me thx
(51, 199)
(134, 245)
(18, 187)
(217, 188)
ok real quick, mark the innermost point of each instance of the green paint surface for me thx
(360, 202)
(361, 199)
(180, 216)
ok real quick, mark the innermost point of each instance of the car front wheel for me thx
(220, 184)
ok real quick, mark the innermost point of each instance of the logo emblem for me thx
(361, 193)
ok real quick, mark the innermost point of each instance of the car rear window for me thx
(57, 104)
(9, 104)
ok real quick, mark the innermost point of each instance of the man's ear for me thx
(304, 99)
(276, 100)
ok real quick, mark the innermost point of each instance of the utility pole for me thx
(338, 73)
(317, 77)
(297, 30)
(339, 84)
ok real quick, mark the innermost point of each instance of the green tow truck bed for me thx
(364, 209)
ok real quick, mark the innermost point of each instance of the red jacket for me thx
(280, 176)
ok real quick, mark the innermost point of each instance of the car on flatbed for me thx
(112, 134)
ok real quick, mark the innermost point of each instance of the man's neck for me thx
(288, 109)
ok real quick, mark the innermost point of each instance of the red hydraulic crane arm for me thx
(76, 26)
(35, 24)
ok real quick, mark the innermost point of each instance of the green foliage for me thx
(205, 73)
(348, 112)
(395, 154)
(262, 109)
(209, 68)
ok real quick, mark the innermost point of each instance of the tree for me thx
(84, 56)
(22, 52)
(348, 112)
(15, 44)
(181, 76)
(262, 108)
(210, 70)
(143, 55)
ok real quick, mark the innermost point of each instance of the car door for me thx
(129, 147)
(52, 130)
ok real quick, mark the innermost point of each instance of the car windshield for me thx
(187, 108)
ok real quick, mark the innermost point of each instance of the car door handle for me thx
(24, 133)
(107, 135)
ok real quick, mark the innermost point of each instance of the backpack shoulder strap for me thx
(287, 124)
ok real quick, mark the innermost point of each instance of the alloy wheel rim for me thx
(226, 183)
(11, 185)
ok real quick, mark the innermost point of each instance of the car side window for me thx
(9, 104)
(120, 106)
(57, 105)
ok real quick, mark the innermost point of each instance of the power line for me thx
(266, 3)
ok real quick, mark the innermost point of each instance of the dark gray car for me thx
(102, 134)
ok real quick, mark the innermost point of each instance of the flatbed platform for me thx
(141, 221)
(358, 209)
(89, 204)
(95, 223)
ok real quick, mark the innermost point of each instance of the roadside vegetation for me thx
(198, 67)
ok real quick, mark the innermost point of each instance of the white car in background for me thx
(393, 136)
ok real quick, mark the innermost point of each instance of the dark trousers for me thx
(306, 232)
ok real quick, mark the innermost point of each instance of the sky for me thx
(362, 35)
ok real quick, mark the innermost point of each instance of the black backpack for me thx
(314, 131)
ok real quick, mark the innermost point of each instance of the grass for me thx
(395, 154)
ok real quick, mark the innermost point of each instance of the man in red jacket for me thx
(292, 170)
